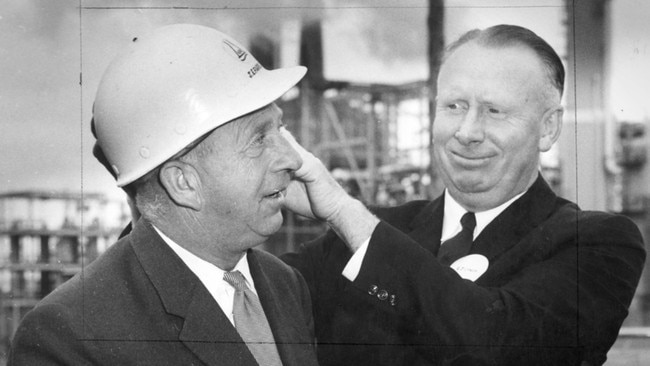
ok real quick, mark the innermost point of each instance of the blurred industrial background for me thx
(364, 109)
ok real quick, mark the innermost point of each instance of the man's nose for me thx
(287, 158)
(471, 129)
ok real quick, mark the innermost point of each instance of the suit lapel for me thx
(205, 330)
(426, 227)
(516, 221)
(210, 335)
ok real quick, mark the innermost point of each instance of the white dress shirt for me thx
(453, 211)
(211, 276)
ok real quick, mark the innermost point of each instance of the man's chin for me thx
(470, 184)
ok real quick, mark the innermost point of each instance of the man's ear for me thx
(182, 183)
(551, 126)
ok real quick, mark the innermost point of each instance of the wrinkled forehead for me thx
(249, 124)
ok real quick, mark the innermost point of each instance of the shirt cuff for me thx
(351, 270)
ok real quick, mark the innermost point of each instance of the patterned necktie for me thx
(459, 245)
(251, 323)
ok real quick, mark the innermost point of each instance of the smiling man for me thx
(498, 270)
(186, 119)
(496, 110)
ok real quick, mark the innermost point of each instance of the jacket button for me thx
(373, 290)
(393, 300)
(382, 295)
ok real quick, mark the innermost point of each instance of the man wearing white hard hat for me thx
(186, 120)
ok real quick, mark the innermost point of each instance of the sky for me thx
(630, 60)
(53, 54)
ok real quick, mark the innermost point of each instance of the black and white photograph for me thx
(324, 182)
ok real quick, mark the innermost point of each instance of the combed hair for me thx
(506, 35)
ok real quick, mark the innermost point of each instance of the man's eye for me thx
(259, 139)
(496, 113)
(455, 107)
(256, 146)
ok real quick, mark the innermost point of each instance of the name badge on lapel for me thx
(471, 267)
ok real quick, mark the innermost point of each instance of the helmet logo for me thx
(241, 54)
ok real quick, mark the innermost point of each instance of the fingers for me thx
(318, 188)
(297, 200)
(311, 167)
(292, 141)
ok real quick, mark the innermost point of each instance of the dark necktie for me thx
(459, 245)
(251, 323)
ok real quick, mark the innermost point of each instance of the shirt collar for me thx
(204, 270)
(454, 211)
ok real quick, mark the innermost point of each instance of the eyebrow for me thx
(260, 121)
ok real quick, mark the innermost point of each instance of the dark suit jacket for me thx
(557, 289)
(139, 304)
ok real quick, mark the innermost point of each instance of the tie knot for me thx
(236, 280)
(468, 221)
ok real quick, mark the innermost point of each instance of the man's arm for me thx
(568, 301)
(552, 302)
(563, 300)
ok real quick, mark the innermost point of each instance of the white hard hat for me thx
(172, 87)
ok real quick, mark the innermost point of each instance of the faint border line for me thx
(310, 7)
(575, 142)
(81, 127)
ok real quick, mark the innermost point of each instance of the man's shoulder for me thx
(568, 212)
(88, 292)
(609, 224)
(275, 268)
(102, 274)
(560, 216)
(591, 226)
